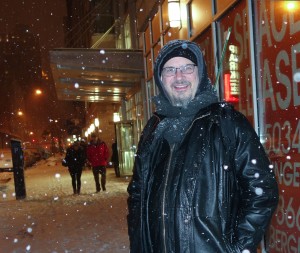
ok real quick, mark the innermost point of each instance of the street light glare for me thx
(38, 92)
(97, 122)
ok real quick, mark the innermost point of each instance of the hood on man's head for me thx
(179, 52)
(186, 49)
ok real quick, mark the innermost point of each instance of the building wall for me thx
(104, 113)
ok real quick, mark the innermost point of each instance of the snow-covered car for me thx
(36, 152)
(6, 163)
(5, 177)
(29, 158)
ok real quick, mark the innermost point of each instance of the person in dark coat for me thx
(75, 159)
(202, 181)
(115, 158)
(83, 146)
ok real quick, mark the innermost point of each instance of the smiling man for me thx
(180, 80)
(201, 179)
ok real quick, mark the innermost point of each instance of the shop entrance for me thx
(126, 147)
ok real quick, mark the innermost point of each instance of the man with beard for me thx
(201, 179)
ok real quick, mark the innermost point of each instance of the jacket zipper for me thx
(164, 198)
(166, 183)
(200, 117)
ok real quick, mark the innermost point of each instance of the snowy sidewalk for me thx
(52, 219)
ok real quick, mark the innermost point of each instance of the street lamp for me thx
(97, 122)
(92, 126)
(38, 92)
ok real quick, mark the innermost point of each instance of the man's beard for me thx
(181, 101)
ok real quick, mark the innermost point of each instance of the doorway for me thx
(126, 146)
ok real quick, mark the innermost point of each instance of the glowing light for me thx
(174, 13)
(38, 92)
(116, 117)
(97, 122)
(291, 5)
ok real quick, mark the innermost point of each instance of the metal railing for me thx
(103, 37)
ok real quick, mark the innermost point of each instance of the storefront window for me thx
(236, 82)
(278, 52)
(206, 43)
(151, 91)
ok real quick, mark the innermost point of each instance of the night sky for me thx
(43, 17)
(45, 20)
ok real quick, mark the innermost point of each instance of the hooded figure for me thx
(75, 159)
(201, 179)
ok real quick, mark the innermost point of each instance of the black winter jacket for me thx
(215, 192)
(75, 158)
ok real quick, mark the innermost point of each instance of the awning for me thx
(96, 75)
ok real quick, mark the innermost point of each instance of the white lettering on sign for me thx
(288, 173)
(287, 215)
(240, 78)
(278, 48)
(283, 98)
(267, 26)
(289, 88)
(281, 137)
(295, 50)
(234, 71)
(284, 242)
(278, 34)
(242, 39)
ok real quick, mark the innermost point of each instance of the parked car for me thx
(36, 152)
(6, 163)
(5, 177)
(29, 158)
(46, 154)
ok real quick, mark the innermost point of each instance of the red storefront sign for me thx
(278, 50)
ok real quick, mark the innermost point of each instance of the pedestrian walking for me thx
(202, 181)
(97, 156)
(115, 158)
(75, 159)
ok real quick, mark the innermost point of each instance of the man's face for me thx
(180, 88)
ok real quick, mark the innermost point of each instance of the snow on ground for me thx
(52, 219)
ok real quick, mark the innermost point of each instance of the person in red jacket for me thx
(97, 156)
